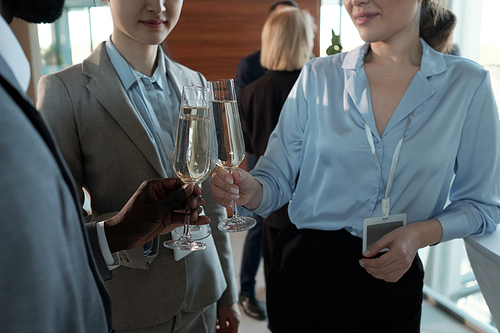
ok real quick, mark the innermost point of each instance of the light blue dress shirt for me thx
(165, 111)
(451, 149)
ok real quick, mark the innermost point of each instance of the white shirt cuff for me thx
(112, 260)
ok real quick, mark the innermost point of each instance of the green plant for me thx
(336, 47)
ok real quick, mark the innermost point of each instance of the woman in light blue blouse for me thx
(386, 132)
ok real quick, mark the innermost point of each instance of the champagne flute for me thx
(199, 232)
(192, 152)
(230, 144)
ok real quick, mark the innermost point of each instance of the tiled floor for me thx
(433, 319)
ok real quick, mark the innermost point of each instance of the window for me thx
(334, 16)
(489, 48)
(74, 36)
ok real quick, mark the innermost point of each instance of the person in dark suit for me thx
(52, 266)
(287, 42)
(250, 69)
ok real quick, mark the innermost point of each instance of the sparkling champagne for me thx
(230, 144)
(192, 151)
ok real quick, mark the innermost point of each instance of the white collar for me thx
(13, 55)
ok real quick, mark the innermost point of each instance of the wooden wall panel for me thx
(213, 35)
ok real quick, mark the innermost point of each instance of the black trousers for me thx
(269, 235)
(316, 284)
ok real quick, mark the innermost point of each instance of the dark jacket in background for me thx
(260, 104)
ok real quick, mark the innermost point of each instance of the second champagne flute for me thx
(230, 144)
(192, 152)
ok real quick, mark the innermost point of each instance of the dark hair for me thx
(37, 11)
(290, 3)
(436, 25)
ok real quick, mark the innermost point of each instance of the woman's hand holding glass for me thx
(238, 186)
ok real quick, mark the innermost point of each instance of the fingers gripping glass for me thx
(229, 142)
(192, 153)
(197, 232)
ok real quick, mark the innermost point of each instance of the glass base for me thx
(237, 224)
(184, 244)
(197, 232)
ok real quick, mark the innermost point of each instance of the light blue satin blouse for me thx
(450, 152)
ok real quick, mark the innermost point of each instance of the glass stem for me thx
(187, 220)
(235, 208)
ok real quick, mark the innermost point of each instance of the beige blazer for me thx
(110, 155)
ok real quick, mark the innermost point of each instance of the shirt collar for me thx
(155, 78)
(12, 52)
(124, 70)
(355, 59)
(432, 63)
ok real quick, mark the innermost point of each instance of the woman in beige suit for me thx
(115, 117)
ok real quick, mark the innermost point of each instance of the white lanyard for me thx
(386, 203)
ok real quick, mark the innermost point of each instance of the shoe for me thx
(252, 307)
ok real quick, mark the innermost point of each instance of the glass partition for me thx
(451, 284)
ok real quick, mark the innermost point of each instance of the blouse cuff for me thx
(454, 224)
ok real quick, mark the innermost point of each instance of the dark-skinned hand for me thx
(157, 207)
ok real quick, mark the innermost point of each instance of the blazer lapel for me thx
(106, 86)
(173, 73)
(179, 79)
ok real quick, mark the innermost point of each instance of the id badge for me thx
(375, 228)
